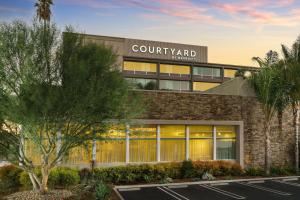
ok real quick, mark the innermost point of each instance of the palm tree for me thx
(292, 61)
(43, 10)
(266, 85)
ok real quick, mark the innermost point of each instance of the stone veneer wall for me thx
(196, 106)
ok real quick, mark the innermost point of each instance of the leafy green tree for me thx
(57, 94)
(269, 91)
(292, 63)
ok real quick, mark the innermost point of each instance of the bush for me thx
(282, 171)
(9, 178)
(255, 171)
(58, 177)
(102, 191)
(187, 169)
(63, 177)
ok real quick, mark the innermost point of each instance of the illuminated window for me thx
(172, 143)
(174, 85)
(226, 142)
(203, 86)
(142, 146)
(174, 69)
(207, 71)
(229, 73)
(201, 143)
(113, 148)
(142, 83)
(140, 66)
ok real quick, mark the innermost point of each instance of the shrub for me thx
(102, 191)
(58, 177)
(9, 178)
(62, 177)
(187, 169)
(282, 170)
(255, 171)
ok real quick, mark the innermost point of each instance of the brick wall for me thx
(195, 106)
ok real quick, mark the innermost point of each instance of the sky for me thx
(234, 30)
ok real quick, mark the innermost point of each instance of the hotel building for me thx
(195, 110)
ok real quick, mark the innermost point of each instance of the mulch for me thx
(31, 195)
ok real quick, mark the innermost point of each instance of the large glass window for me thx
(203, 86)
(142, 83)
(142, 146)
(229, 73)
(113, 148)
(207, 72)
(174, 69)
(172, 142)
(137, 67)
(174, 85)
(201, 143)
(226, 142)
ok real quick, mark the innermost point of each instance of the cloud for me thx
(255, 12)
(13, 9)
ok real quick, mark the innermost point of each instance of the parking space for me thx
(265, 189)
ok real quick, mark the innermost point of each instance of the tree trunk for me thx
(296, 128)
(267, 148)
(45, 176)
(35, 185)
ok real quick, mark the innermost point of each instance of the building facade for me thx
(196, 110)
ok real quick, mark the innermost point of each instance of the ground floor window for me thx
(153, 143)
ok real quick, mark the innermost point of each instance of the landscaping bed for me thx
(73, 184)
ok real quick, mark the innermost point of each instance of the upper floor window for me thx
(174, 70)
(174, 85)
(229, 73)
(203, 86)
(207, 71)
(143, 83)
(140, 67)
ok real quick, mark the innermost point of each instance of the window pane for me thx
(146, 131)
(172, 131)
(226, 132)
(142, 83)
(229, 73)
(140, 66)
(226, 149)
(203, 86)
(226, 142)
(172, 150)
(142, 150)
(201, 131)
(111, 151)
(79, 155)
(201, 149)
(174, 69)
(115, 131)
(174, 85)
(207, 71)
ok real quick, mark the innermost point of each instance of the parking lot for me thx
(252, 189)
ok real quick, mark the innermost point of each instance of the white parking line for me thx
(169, 193)
(287, 183)
(229, 194)
(175, 193)
(266, 189)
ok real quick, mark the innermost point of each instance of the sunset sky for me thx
(233, 30)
